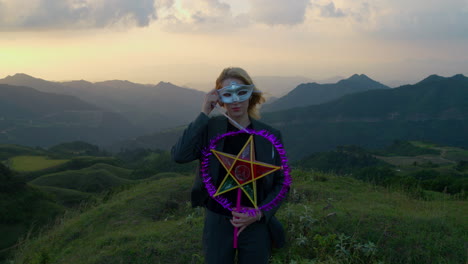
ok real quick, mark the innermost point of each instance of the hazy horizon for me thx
(288, 82)
(190, 42)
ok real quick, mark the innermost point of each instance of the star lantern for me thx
(243, 171)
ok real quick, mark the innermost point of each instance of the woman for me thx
(236, 93)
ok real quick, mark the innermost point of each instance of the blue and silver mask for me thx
(235, 93)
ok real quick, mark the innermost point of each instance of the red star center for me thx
(243, 171)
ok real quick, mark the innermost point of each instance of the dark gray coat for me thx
(198, 134)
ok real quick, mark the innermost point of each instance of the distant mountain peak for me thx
(164, 83)
(114, 82)
(314, 93)
(437, 78)
(360, 79)
(459, 77)
(121, 84)
(358, 76)
(78, 83)
(22, 79)
(432, 78)
(82, 81)
(168, 85)
(22, 76)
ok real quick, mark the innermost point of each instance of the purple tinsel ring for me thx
(206, 153)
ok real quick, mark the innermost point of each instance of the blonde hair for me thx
(241, 74)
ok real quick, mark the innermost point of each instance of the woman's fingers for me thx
(211, 98)
(240, 230)
(242, 220)
(239, 215)
(236, 224)
(241, 226)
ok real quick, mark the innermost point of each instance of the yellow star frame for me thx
(242, 170)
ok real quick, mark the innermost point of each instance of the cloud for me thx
(444, 19)
(416, 19)
(202, 16)
(216, 16)
(330, 10)
(383, 18)
(278, 12)
(69, 14)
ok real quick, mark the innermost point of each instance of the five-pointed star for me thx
(243, 171)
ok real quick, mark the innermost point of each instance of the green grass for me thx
(456, 154)
(77, 163)
(33, 163)
(328, 219)
(403, 229)
(451, 153)
(409, 161)
(10, 150)
(424, 144)
(161, 176)
(444, 172)
(448, 155)
(117, 171)
(66, 197)
(23, 211)
(90, 179)
(136, 226)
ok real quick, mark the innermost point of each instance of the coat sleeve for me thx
(278, 179)
(188, 147)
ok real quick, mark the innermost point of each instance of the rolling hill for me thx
(23, 209)
(91, 180)
(152, 222)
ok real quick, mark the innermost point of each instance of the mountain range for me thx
(271, 86)
(126, 115)
(314, 93)
(43, 113)
(434, 110)
(23, 102)
(148, 107)
(35, 118)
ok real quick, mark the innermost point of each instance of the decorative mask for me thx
(235, 92)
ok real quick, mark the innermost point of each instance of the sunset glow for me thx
(191, 41)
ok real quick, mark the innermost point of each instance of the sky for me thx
(191, 41)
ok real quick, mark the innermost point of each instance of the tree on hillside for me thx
(147, 163)
(344, 160)
(462, 165)
(4, 171)
(9, 183)
(77, 148)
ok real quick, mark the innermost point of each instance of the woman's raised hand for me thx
(211, 99)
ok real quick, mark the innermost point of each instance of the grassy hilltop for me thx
(88, 207)
(37, 185)
(328, 219)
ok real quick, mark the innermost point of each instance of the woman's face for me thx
(236, 109)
